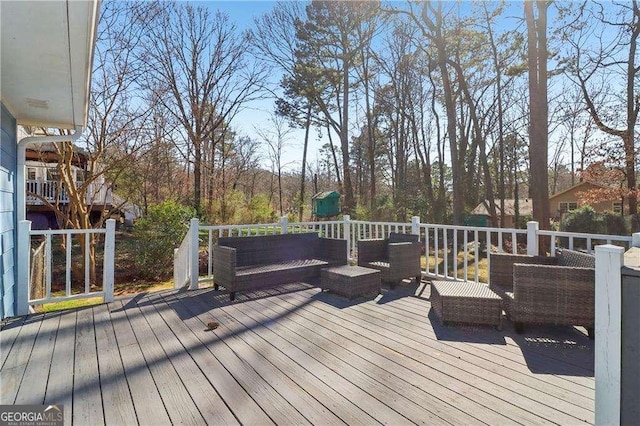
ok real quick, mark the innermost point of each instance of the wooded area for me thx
(428, 108)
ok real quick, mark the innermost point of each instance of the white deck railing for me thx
(70, 292)
(450, 252)
(98, 193)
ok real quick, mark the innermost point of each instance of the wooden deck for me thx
(292, 355)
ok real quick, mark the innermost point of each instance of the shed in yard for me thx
(326, 204)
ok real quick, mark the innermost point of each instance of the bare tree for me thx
(276, 139)
(607, 72)
(199, 69)
(538, 125)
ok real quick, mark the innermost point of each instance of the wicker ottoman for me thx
(466, 303)
(351, 281)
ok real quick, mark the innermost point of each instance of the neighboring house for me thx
(559, 204)
(525, 208)
(569, 199)
(45, 69)
(44, 187)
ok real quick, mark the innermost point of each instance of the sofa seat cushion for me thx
(378, 264)
(280, 266)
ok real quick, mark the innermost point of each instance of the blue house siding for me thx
(8, 166)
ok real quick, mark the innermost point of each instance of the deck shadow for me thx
(400, 291)
(220, 298)
(465, 333)
(555, 350)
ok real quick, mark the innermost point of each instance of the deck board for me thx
(176, 398)
(292, 355)
(344, 409)
(312, 409)
(210, 405)
(39, 363)
(10, 330)
(60, 377)
(431, 363)
(116, 396)
(16, 363)
(87, 397)
(148, 404)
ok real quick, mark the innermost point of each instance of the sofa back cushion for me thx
(396, 237)
(575, 259)
(269, 249)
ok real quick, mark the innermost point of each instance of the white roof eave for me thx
(46, 60)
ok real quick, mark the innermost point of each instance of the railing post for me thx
(194, 253)
(24, 260)
(532, 238)
(284, 225)
(635, 239)
(176, 275)
(415, 225)
(108, 270)
(608, 306)
(346, 227)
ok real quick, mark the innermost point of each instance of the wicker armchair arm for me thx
(404, 259)
(371, 250)
(333, 250)
(224, 265)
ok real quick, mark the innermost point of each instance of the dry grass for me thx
(482, 265)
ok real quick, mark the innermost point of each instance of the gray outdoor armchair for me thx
(556, 290)
(396, 257)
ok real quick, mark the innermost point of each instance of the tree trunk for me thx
(538, 127)
(307, 127)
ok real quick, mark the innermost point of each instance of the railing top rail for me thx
(367, 222)
(328, 222)
(221, 227)
(473, 228)
(67, 231)
(626, 238)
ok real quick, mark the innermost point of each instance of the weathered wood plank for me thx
(473, 362)
(344, 409)
(13, 369)
(87, 400)
(8, 332)
(60, 382)
(34, 384)
(368, 393)
(479, 355)
(204, 396)
(277, 407)
(416, 405)
(176, 398)
(429, 393)
(116, 396)
(575, 357)
(417, 357)
(237, 399)
(512, 354)
(313, 410)
(150, 409)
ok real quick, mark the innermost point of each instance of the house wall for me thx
(8, 167)
(571, 196)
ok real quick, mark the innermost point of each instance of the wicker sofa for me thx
(556, 290)
(396, 257)
(250, 263)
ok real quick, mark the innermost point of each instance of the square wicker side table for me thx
(351, 281)
(466, 303)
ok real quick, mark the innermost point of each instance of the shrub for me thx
(614, 224)
(157, 234)
(584, 220)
